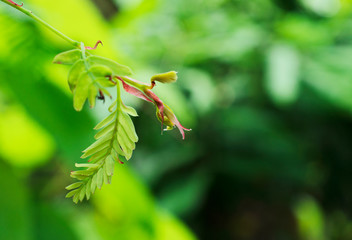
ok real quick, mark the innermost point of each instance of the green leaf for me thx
(105, 130)
(94, 183)
(73, 75)
(68, 57)
(129, 110)
(105, 175)
(100, 178)
(105, 82)
(87, 172)
(123, 142)
(71, 193)
(128, 126)
(107, 179)
(98, 155)
(125, 139)
(100, 71)
(92, 151)
(118, 149)
(117, 69)
(74, 185)
(112, 106)
(76, 198)
(82, 193)
(92, 94)
(96, 150)
(106, 121)
(78, 177)
(100, 144)
(115, 156)
(88, 188)
(110, 165)
(87, 165)
(81, 92)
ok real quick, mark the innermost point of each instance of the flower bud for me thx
(168, 77)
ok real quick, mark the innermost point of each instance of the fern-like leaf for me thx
(116, 138)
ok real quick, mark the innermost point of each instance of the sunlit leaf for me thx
(68, 58)
(118, 69)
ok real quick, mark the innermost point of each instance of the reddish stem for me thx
(18, 5)
(95, 46)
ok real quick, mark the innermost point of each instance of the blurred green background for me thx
(265, 85)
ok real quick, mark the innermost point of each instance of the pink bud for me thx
(164, 112)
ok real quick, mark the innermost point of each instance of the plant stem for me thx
(137, 84)
(41, 21)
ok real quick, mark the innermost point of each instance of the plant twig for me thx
(41, 21)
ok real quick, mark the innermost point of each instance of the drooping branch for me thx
(29, 13)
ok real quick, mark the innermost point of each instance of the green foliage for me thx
(88, 79)
(68, 58)
(90, 75)
(116, 68)
(32, 90)
(268, 84)
(117, 137)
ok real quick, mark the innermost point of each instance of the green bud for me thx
(168, 77)
(68, 57)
